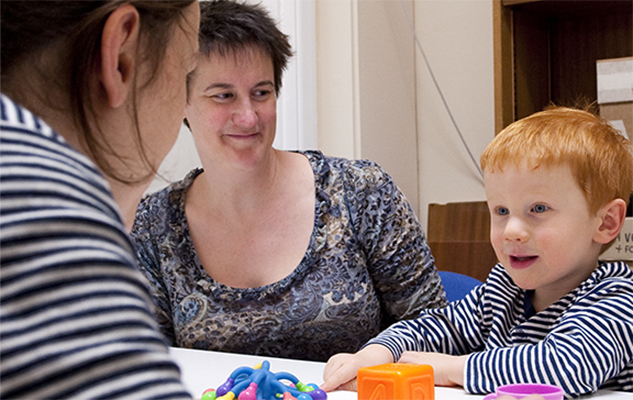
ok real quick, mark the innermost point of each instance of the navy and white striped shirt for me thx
(582, 342)
(75, 316)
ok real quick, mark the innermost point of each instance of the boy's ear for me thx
(612, 215)
(119, 42)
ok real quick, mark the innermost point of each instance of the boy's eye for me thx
(540, 208)
(502, 211)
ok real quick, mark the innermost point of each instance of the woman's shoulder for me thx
(358, 172)
(164, 209)
(168, 199)
(37, 163)
(317, 157)
(27, 138)
(53, 197)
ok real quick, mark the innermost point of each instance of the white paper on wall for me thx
(615, 80)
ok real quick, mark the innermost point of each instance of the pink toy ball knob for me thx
(288, 396)
(208, 394)
(250, 393)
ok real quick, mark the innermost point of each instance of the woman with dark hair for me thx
(92, 99)
(268, 252)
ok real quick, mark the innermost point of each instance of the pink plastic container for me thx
(520, 390)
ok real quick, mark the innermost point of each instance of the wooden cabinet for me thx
(546, 51)
(459, 237)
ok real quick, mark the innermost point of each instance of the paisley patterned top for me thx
(367, 265)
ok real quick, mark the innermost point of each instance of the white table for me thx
(202, 370)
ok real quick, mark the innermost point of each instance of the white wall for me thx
(296, 106)
(181, 159)
(456, 36)
(388, 92)
(366, 86)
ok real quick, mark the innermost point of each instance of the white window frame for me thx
(297, 103)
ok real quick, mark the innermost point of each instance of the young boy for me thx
(557, 184)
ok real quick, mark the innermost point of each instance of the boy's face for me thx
(541, 229)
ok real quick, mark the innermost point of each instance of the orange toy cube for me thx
(396, 382)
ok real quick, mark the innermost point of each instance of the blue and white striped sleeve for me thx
(592, 344)
(455, 329)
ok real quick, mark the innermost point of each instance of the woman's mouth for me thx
(243, 136)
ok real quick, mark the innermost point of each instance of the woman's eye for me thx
(261, 94)
(540, 208)
(222, 96)
(502, 211)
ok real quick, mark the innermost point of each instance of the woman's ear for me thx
(119, 43)
(612, 217)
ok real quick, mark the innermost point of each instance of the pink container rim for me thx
(524, 389)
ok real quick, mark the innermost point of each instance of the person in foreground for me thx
(557, 185)
(268, 252)
(93, 98)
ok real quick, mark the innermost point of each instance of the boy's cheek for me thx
(497, 245)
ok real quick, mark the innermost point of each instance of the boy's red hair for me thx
(600, 158)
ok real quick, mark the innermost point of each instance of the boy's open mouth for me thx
(521, 262)
(522, 258)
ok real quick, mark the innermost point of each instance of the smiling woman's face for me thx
(232, 107)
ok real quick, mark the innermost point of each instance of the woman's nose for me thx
(245, 115)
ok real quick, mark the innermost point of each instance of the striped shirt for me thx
(75, 316)
(582, 342)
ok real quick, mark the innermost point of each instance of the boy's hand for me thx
(447, 370)
(340, 370)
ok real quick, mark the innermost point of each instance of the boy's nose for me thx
(515, 230)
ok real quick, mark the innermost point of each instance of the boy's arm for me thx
(458, 329)
(448, 370)
(452, 330)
